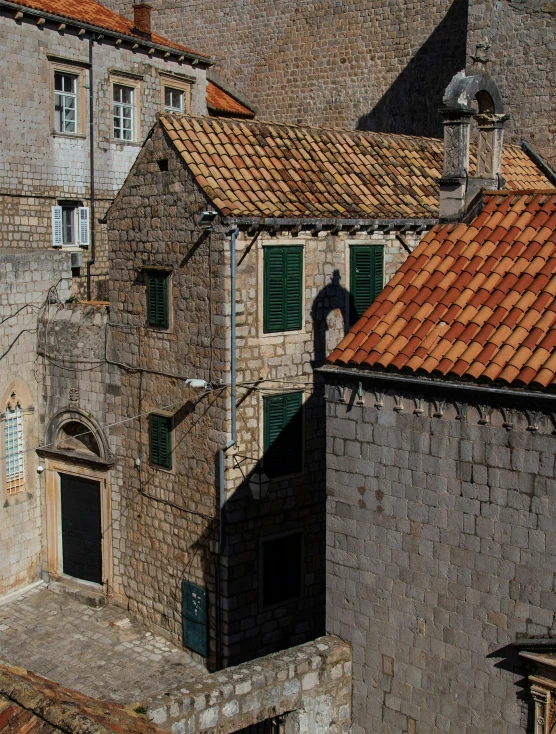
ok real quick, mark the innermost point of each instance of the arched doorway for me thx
(77, 464)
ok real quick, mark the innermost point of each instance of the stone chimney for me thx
(142, 18)
(457, 187)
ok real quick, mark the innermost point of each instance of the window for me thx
(283, 434)
(366, 277)
(70, 225)
(283, 288)
(281, 572)
(13, 444)
(174, 100)
(65, 102)
(160, 435)
(158, 296)
(123, 112)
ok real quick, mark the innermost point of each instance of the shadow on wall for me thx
(410, 106)
(329, 306)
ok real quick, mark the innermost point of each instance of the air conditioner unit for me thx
(76, 259)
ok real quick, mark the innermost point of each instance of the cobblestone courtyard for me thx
(99, 652)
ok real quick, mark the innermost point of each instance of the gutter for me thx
(425, 382)
(223, 449)
(92, 220)
(181, 53)
(339, 224)
(539, 161)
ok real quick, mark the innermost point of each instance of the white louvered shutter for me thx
(83, 223)
(57, 237)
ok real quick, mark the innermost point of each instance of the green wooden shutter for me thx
(283, 288)
(158, 299)
(366, 277)
(160, 440)
(283, 434)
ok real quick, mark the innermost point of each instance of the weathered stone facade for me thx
(25, 282)
(376, 65)
(153, 223)
(38, 167)
(440, 550)
(307, 687)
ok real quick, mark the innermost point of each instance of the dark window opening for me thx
(160, 439)
(281, 559)
(163, 164)
(283, 434)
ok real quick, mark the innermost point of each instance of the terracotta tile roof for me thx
(93, 13)
(31, 704)
(473, 301)
(218, 100)
(250, 168)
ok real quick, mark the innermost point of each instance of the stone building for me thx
(54, 187)
(218, 505)
(364, 64)
(440, 480)
(70, 73)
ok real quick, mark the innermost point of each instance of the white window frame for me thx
(117, 108)
(179, 83)
(170, 107)
(14, 449)
(79, 71)
(80, 225)
(65, 102)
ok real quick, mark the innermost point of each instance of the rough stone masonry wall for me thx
(311, 684)
(275, 363)
(380, 65)
(441, 552)
(169, 517)
(25, 279)
(38, 168)
(514, 42)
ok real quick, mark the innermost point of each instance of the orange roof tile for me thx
(221, 102)
(93, 13)
(339, 174)
(501, 326)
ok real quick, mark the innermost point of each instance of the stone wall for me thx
(37, 167)
(25, 280)
(514, 42)
(379, 65)
(440, 551)
(308, 687)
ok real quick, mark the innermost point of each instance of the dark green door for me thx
(195, 618)
(81, 528)
(366, 277)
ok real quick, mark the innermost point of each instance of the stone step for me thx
(92, 596)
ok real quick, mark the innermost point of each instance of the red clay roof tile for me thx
(501, 326)
(328, 173)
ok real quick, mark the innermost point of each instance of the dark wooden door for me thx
(81, 528)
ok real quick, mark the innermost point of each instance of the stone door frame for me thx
(53, 469)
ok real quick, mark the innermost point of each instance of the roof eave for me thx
(91, 28)
(312, 223)
(421, 381)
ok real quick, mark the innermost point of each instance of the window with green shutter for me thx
(366, 277)
(283, 434)
(160, 435)
(158, 294)
(283, 288)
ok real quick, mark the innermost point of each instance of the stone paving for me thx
(99, 652)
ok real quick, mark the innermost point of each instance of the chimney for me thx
(142, 18)
(457, 187)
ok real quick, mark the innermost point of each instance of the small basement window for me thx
(281, 569)
(160, 439)
(158, 298)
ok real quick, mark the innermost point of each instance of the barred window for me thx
(13, 442)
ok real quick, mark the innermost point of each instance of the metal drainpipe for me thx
(91, 260)
(231, 442)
